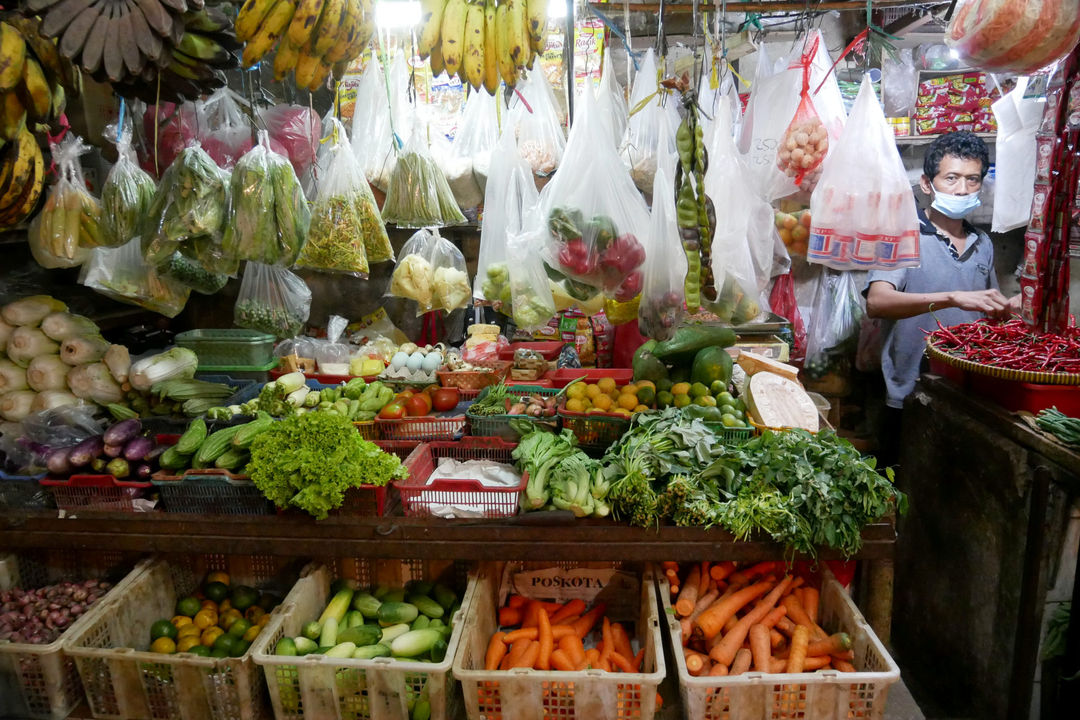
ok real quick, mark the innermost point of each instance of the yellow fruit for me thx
(641, 408)
(628, 402)
(206, 618)
(575, 405)
(263, 620)
(252, 633)
(606, 385)
(225, 606)
(254, 613)
(645, 383)
(592, 391)
(187, 643)
(163, 645)
(577, 390)
(622, 411)
(209, 604)
(603, 402)
(180, 621)
(210, 636)
(630, 389)
(680, 389)
(229, 617)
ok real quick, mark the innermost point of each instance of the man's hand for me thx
(990, 302)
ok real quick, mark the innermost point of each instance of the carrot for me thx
(753, 571)
(798, 615)
(609, 640)
(670, 565)
(713, 619)
(529, 618)
(843, 666)
(741, 663)
(810, 599)
(689, 595)
(547, 642)
(835, 643)
(567, 620)
(785, 625)
(687, 623)
(520, 634)
(695, 662)
(528, 658)
(725, 651)
(620, 662)
(718, 670)
(559, 661)
(621, 640)
(812, 663)
(638, 659)
(572, 648)
(592, 658)
(719, 571)
(730, 624)
(760, 648)
(585, 624)
(574, 607)
(516, 651)
(509, 616)
(848, 655)
(773, 616)
(659, 701)
(496, 651)
(797, 657)
(516, 601)
(776, 639)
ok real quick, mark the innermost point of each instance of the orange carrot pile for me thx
(553, 636)
(755, 618)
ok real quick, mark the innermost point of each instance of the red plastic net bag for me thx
(806, 141)
(1018, 36)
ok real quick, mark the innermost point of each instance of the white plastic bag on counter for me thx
(332, 356)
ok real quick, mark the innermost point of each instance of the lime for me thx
(740, 405)
(244, 597)
(725, 398)
(727, 408)
(239, 627)
(163, 629)
(698, 389)
(664, 385)
(664, 399)
(226, 642)
(682, 401)
(216, 591)
(200, 650)
(219, 653)
(239, 648)
(705, 401)
(717, 387)
(646, 395)
(729, 420)
(188, 606)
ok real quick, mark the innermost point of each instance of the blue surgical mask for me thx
(955, 206)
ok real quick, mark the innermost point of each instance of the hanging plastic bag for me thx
(272, 300)
(414, 276)
(126, 195)
(123, 274)
(332, 356)
(783, 303)
(1014, 36)
(372, 139)
(592, 212)
(805, 142)
(611, 101)
(509, 198)
(169, 128)
(229, 134)
(863, 212)
(335, 240)
(268, 216)
(743, 229)
(645, 128)
(419, 195)
(532, 301)
(190, 204)
(71, 218)
(663, 297)
(470, 156)
(294, 133)
(899, 84)
(538, 126)
(1018, 120)
(192, 274)
(450, 280)
(833, 335)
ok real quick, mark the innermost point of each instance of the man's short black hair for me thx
(964, 145)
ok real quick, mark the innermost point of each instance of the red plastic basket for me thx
(95, 492)
(548, 349)
(564, 376)
(418, 496)
(426, 428)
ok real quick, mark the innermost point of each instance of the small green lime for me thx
(725, 398)
(729, 420)
(664, 385)
(682, 401)
(717, 387)
(705, 401)
(216, 591)
(219, 653)
(200, 650)
(698, 389)
(664, 399)
(726, 408)
(188, 606)
(163, 628)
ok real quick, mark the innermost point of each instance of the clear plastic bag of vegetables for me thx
(419, 195)
(272, 300)
(414, 276)
(372, 138)
(191, 273)
(336, 236)
(510, 196)
(641, 146)
(229, 136)
(533, 302)
(268, 216)
(538, 125)
(833, 334)
(127, 194)
(70, 221)
(123, 274)
(611, 101)
(661, 308)
(451, 289)
(190, 203)
(591, 212)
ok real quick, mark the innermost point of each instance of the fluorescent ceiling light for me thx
(397, 14)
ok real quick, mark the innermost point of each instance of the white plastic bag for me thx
(414, 276)
(476, 135)
(1018, 120)
(123, 274)
(272, 300)
(611, 101)
(418, 195)
(1018, 36)
(372, 140)
(536, 122)
(533, 303)
(663, 296)
(70, 222)
(229, 136)
(646, 127)
(899, 84)
(863, 211)
(450, 279)
(833, 335)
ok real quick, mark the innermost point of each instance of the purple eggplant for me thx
(143, 472)
(123, 431)
(84, 453)
(113, 450)
(58, 462)
(138, 448)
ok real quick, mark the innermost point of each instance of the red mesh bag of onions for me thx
(806, 141)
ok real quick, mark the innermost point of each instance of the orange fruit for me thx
(180, 621)
(206, 618)
(163, 645)
(217, 576)
(603, 402)
(224, 606)
(210, 636)
(641, 408)
(622, 411)
(591, 391)
(263, 620)
(209, 604)
(187, 643)
(229, 617)
(627, 401)
(606, 385)
(252, 633)
(645, 383)
(253, 613)
(630, 389)
(575, 405)
(189, 631)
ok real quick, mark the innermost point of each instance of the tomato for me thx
(445, 399)
(417, 405)
(392, 411)
(404, 395)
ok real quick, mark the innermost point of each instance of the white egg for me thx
(432, 362)
(398, 361)
(415, 361)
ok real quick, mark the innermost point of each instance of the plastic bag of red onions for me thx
(38, 617)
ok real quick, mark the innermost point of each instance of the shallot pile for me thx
(38, 617)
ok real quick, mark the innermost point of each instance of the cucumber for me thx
(444, 595)
(353, 619)
(438, 650)
(329, 633)
(311, 630)
(380, 592)
(436, 623)
(389, 634)
(419, 587)
(427, 606)
(192, 438)
(415, 643)
(366, 604)
(392, 613)
(397, 595)
(367, 652)
(361, 635)
(421, 710)
(305, 646)
(285, 646)
(173, 459)
(421, 622)
(341, 650)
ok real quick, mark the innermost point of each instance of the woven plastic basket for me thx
(95, 493)
(24, 492)
(211, 492)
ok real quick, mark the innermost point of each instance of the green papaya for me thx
(647, 366)
(711, 364)
(689, 339)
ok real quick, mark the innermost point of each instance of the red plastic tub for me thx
(549, 349)
(418, 496)
(563, 377)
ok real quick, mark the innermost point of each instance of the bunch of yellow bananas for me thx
(482, 40)
(313, 37)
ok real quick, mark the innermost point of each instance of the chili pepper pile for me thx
(1011, 345)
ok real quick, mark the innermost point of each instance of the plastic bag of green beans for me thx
(272, 300)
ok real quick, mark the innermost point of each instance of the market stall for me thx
(393, 360)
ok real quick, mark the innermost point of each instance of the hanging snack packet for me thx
(268, 215)
(123, 274)
(126, 196)
(419, 195)
(272, 300)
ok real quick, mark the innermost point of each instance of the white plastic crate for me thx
(315, 687)
(821, 695)
(40, 681)
(527, 694)
(124, 681)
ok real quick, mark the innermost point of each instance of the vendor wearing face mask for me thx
(955, 277)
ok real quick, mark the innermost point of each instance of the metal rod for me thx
(568, 60)
(778, 6)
